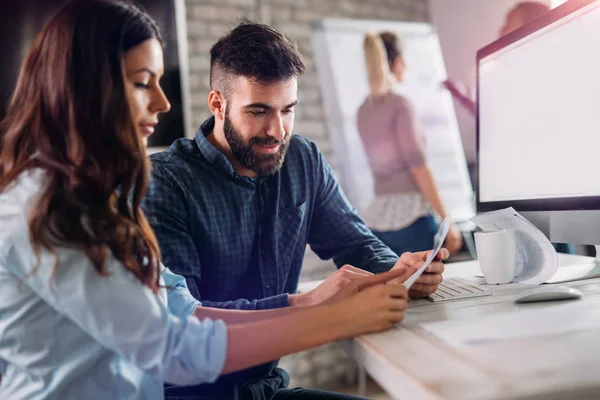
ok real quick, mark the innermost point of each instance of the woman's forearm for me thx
(427, 186)
(258, 342)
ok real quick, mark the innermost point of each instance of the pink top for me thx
(393, 141)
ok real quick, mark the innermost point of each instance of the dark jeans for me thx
(272, 386)
(281, 394)
(416, 237)
(300, 393)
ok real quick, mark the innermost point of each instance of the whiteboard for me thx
(339, 57)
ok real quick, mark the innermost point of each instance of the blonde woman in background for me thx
(401, 215)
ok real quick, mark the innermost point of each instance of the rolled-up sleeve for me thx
(180, 301)
(124, 315)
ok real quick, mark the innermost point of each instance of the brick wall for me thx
(207, 20)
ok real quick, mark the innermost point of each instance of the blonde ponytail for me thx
(378, 69)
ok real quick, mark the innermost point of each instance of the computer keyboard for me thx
(457, 288)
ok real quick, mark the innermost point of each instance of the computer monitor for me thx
(538, 123)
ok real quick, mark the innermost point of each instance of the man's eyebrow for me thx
(258, 105)
(268, 107)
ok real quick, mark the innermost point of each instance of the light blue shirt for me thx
(79, 335)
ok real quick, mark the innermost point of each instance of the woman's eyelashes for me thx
(141, 85)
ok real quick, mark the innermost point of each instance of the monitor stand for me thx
(570, 226)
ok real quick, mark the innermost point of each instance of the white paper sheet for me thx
(554, 320)
(576, 273)
(537, 260)
(438, 241)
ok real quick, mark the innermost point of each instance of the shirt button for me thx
(268, 285)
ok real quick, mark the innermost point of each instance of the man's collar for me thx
(209, 151)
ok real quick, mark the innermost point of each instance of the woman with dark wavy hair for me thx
(87, 311)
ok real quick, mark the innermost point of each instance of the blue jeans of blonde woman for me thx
(416, 237)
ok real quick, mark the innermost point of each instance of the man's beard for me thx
(261, 163)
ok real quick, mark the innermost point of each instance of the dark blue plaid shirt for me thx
(239, 242)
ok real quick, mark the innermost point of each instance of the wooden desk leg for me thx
(362, 381)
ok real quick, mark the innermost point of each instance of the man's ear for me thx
(216, 103)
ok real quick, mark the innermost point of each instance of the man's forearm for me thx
(373, 256)
(268, 303)
(300, 300)
(241, 316)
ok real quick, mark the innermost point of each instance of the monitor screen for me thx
(539, 110)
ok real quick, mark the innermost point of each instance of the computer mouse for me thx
(549, 293)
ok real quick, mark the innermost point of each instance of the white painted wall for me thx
(465, 26)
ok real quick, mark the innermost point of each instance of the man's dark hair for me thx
(255, 51)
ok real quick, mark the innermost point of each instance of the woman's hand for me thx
(374, 308)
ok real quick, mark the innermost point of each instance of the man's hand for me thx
(429, 281)
(332, 285)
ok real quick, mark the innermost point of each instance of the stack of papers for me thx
(537, 260)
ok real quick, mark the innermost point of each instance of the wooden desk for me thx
(411, 363)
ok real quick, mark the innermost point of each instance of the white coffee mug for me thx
(497, 254)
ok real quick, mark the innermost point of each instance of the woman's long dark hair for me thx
(69, 116)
